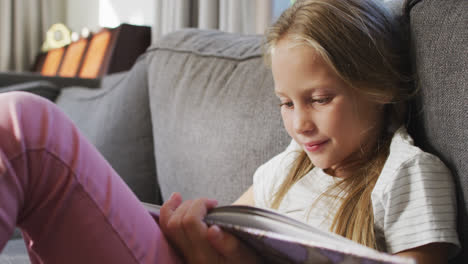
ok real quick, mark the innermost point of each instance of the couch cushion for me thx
(439, 33)
(116, 119)
(215, 115)
(45, 89)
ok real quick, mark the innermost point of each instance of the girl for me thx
(351, 167)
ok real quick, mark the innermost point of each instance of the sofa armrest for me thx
(10, 78)
(42, 88)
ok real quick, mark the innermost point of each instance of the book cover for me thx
(281, 239)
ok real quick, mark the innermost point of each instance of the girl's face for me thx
(333, 124)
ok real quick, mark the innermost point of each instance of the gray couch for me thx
(197, 114)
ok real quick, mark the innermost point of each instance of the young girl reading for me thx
(350, 168)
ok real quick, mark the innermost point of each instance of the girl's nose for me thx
(303, 122)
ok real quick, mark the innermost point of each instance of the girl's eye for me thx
(287, 104)
(322, 100)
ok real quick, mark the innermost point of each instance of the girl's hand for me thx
(182, 223)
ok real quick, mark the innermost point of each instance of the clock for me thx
(57, 36)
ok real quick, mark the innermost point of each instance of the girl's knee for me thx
(26, 118)
(16, 101)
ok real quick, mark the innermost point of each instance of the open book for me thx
(281, 239)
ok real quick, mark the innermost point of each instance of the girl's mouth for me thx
(315, 146)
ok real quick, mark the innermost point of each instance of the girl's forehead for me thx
(299, 58)
(288, 51)
(298, 65)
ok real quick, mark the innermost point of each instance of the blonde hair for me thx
(361, 42)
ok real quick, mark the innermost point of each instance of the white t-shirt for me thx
(413, 200)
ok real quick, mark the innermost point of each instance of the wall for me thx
(95, 14)
(114, 12)
(83, 13)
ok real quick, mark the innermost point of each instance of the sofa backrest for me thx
(439, 39)
(215, 115)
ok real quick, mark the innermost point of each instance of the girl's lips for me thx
(315, 146)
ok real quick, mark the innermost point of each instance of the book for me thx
(281, 239)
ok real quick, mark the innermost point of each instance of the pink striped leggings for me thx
(70, 204)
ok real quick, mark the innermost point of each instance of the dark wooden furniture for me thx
(108, 51)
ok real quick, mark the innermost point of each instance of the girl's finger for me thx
(196, 230)
(174, 231)
(230, 247)
(193, 218)
(223, 242)
(168, 208)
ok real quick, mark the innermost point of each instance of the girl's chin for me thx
(320, 164)
(326, 166)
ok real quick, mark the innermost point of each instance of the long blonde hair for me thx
(362, 43)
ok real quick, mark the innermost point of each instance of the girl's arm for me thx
(434, 253)
(247, 198)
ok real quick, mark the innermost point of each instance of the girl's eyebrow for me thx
(304, 91)
(278, 93)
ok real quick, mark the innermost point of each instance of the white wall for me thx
(95, 14)
(82, 13)
(114, 12)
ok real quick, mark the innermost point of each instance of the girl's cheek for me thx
(287, 121)
(284, 116)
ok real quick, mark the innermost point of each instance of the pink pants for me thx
(70, 204)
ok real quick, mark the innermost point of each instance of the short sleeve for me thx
(420, 205)
(269, 176)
